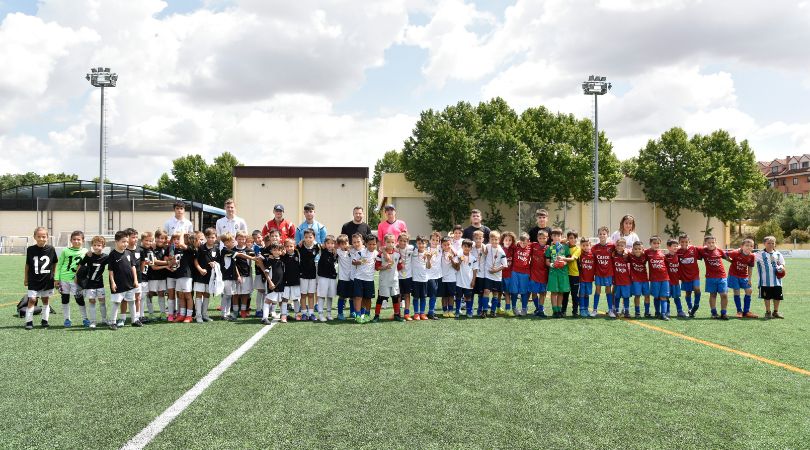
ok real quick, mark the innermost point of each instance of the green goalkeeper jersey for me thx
(68, 263)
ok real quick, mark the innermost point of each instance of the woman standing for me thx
(627, 230)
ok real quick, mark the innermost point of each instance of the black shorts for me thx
(447, 289)
(345, 289)
(770, 292)
(433, 287)
(480, 285)
(405, 286)
(420, 289)
(363, 288)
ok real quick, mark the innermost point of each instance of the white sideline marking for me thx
(151, 431)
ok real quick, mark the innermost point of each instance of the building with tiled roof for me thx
(790, 175)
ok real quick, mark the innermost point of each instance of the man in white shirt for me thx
(178, 223)
(231, 223)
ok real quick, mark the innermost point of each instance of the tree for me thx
(766, 204)
(11, 180)
(669, 170)
(391, 162)
(193, 179)
(793, 213)
(731, 176)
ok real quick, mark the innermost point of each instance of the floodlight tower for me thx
(101, 77)
(595, 86)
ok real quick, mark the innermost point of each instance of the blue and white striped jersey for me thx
(766, 268)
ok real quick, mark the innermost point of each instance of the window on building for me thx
(784, 181)
(795, 181)
(774, 169)
(805, 164)
(794, 166)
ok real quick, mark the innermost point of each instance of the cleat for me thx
(723, 316)
(417, 317)
(376, 319)
(648, 316)
(423, 316)
(594, 313)
(283, 319)
(626, 314)
(92, 325)
(398, 318)
(456, 316)
(29, 325)
(492, 314)
(611, 314)
(113, 326)
(469, 315)
(68, 323)
(243, 314)
(322, 319)
(499, 311)
(691, 314)
(137, 323)
(179, 318)
(482, 314)
(199, 320)
(313, 317)
(341, 316)
(265, 322)
(750, 315)
(767, 315)
(715, 316)
(119, 324)
(407, 317)
(258, 314)
(207, 319)
(432, 316)
(682, 315)
(510, 313)
(329, 317)
(776, 315)
(187, 319)
(739, 314)
(664, 317)
(297, 317)
(171, 318)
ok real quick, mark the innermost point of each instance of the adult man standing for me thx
(357, 224)
(310, 223)
(285, 229)
(475, 225)
(231, 223)
(542, 224)
(178, 223)
(391, 224)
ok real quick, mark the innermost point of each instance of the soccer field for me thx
(492, 383)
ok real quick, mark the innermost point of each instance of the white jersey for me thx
(388, 277)
(767, 264)
(448, 271)
(419, 271)
(405, 257)
(456, 246)
(364, 271)
(345, 266)
(435, 271)
(468, 265)
(226, 225)
(495, 258)
(480, 256)
(173, 225)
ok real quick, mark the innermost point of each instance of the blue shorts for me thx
(535, 287)
(506, 283)
(464, 292)
(420, 289)
(675, 290)
(480, 285)
(738, 283)
(621, 291)
(447, 289)
(716, 285)
(520, 283)
(640, 288)
(405, 286)
(603, 281)
(585, 288)
(363, 288)
(659, 289)
(345, 288)
(433, 287)
(494, 285)
(689, 286)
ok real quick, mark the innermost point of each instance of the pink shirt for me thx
(396, 228)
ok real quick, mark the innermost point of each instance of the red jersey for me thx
(586, 267)
(601, 254)
(285, 229)
(621, 269)
(638, 268)
(687, 260)
(740, 263)
(510, 254)
(713, 260)
(538, 268)
(673, 267)
(657, 264)
(521, 258)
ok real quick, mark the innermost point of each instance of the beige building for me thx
(394, 188)
(334, 191)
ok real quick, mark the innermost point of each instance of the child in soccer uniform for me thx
(587, 264)
(244, 280)
(538, 274)
(310, 252)
(715, 276)
(327, 278)
(420, 266)
(434, 273)
(388, 264)
(148, 268)
(273, 268)
(173, 256)
(184, 283)
(739, 277)
(140, 269)
(621, 280)
(123, 279)
(771, 270)
(673, 269)
(208, 256)
(345, 284)
(689, 272)
(573, 275)
(495, 261)
(558, 255)
(466, 266)
(95, 261)
(521, 262)
(479, 252)
(66, 277)
(40, 260)
(447, 288)
(292, 276)
(659, 276)
(405, 274)
(603, 270)
(640, 281)
(364, 259)
(158, 272)
(229, 274)
(456, 234)
(508, 245)
(259, 282)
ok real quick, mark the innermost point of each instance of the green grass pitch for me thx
(495, 383)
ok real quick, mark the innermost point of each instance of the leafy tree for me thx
(766, 204)
(391, 162)
(193, 179)
(11, 180)
(770, 228)
(793, 213)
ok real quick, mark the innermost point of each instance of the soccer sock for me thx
(341, 305)
(469, 307)
(162, 304)
(697, 300)
(134, 310)
(320, 305)
(297, 306)
(328, 306)
(432, 305)
(646, 308)
(378, 306)
(183, 312)
(93, 312)
(627, 304)
(83, 311)
(678, 305)
(638, 309)
(66, 306)
(738, 303)
(29, 314)
(123, 317)
(284, 309)
(115, 312)
(149, 304)
(747, 304)
(612, 301)
(688, 298)
(397, 306)
(664, 308)
(595, 301)
(265, 310)
(259, 297)
(714, 311)
(226, 305)
(524, 301)
(170, 307)
(583, 303)
(205, 302)
(422, 305)
(198, 305)
(723, 312)
(103, 305)
(458, 305)
(536, 302)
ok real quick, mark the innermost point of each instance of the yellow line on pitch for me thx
(722, 347)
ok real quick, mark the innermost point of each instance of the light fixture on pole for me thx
(101, 77)
(595, 86)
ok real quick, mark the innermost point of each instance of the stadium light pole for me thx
(595, 86)
(101, 77)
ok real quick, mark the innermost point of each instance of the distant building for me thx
(790, 175)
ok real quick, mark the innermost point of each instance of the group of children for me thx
(185, 270)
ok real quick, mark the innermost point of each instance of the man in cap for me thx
(285, 229)
(391, 224)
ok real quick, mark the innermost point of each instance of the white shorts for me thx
(127, 296)
(68, 287)
(157, 285)
(258, 283)
(40, 294)
(183, 284)
(308, 286)
(200, 288)
(327, 287)
(245, 288)
(274, 297)
(389, 291)
(292, 293)
(229, 287)
(144, 285)
(93, 293)
(171, 283)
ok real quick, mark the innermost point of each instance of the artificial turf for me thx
(493, 383)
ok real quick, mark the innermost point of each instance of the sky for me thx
(339, 83)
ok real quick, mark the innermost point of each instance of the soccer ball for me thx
(559, 264)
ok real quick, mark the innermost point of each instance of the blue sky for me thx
(345, 81)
